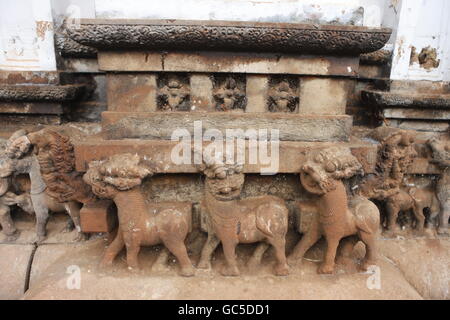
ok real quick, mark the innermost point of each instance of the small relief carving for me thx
(173, 93)
(441, 156)
(337, 218)
(229, 93)
(141, 223)
(232, 220)
(48, 158)
(395, 156)
(283, 95)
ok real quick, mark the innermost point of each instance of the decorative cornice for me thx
(385, 99)
(69, 48)
(229, 36)
(40, 93)
(379, 57)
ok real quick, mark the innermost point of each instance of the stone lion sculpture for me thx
(338, 218)
(140, 223)
(233, 220)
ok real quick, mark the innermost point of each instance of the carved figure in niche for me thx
(140, 223)
(338, 218)
(283, 97)
(395, 156)
(48, 158)
(229, 95)
(174, 94)
(233, 220)
(441, 155)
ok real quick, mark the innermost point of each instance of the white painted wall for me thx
(26, 36)
(422, 23)
(323, 11)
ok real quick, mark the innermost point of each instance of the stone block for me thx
(131, 92)
(324, 96)
(98, 216)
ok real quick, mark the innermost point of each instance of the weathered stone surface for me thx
(99, 216)
(291, 159)
(324, 96)
(379, 57)
(201, 93)
(31, 107)
(430, 278)
(50, 279)
(256, 91)
(30, 119)
(431, 126)
(28, 77)
(235, 62)
(403, 113)
(229, 35)
(405, 99)
(160, 125)
(131, 92)
(14, 263)
(70, 48)
(40, 92)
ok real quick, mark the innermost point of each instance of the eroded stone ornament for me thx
(441, 155)
(48, 158)
(282, 97)
(232, 220)
(174, 94)
(395, 156)
(337, 217)
(229, 95)
(141, 223)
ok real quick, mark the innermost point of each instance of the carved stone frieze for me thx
(229, 93)
(283, 95)
(173, 93)
(40, 92)
(226, 35)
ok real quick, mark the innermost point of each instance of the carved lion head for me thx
(224, 180)
(118, 173)
(324, 167)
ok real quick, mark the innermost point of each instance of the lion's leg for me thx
(73, 209)
(392, 210)
(279, 244)
(307, 241)
(229, 250)
(41, 209)
(178, 248)
(113, 249)
(208, 248)
(444, 216)
(257, 255)
(371, 251)
(7, 223)
(327, 266)
(420, 217)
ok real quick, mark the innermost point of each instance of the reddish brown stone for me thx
(98, 216)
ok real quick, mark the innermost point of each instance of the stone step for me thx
(161, 125)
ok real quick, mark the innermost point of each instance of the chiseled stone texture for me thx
(322, 96)
(229, 35)
(160, 125)
(40, 92)
(14, 263)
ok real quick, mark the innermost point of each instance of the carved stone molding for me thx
(379, 57)
(229, 36)
(40, 93)
(69, 48)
